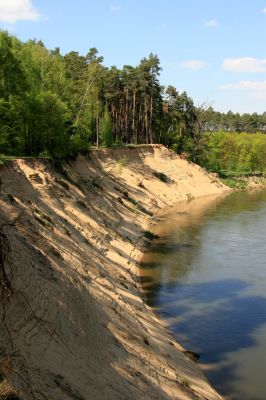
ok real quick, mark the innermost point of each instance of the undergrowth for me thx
(238, 184)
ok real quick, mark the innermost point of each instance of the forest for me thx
(58, 105)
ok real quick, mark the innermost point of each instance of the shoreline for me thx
(75, 235)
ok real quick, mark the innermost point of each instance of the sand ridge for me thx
(73, 322)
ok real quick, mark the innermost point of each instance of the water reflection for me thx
(206, 275)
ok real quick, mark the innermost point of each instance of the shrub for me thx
(149, 235)
(162, 177)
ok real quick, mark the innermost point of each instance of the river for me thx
(206, 276)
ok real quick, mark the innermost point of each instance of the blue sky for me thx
(213, 49)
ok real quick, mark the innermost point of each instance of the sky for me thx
(215, 50)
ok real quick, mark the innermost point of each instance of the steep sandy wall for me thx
(73, 324)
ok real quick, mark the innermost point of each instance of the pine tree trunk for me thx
(146, 120)
(133, 118)
(150, 124)
(126, 116)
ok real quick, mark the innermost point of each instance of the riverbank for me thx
(242, 183)
(73, 324)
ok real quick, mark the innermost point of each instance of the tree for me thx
(57, 104)
(44, 70)
(150, 92)
(12, 80)
(106, 134)
(38, 124)
(180, 119)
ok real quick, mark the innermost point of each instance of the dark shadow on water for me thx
(214, 319)
(169, 248)
(149, 288)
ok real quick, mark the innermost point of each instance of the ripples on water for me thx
(206, 275)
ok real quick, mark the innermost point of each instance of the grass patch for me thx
(162, 177)
(239, 174)
(41, 217)
(138, 205)
(122, 162)
(238, 184)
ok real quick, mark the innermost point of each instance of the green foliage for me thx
(32, 111)
(41, 217)
(235, 183)
(178, 120)
(57, 105)
(106, 133)
(233, 122)
(12, 79)
(162, 177)
(44, 70)
(240, 153)
(38, 122)
(122, 161)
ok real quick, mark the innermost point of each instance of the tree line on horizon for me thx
(57, 105)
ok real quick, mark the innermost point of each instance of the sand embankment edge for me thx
(73, 323)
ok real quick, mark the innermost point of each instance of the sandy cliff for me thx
(73, 324)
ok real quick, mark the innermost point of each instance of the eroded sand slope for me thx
(72, 320)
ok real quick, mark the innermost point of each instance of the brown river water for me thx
(206, 277)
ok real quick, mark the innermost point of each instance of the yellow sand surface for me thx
(73, 323)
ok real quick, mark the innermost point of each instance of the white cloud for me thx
(244, 64)
(212, 23)
(246, 85)
(255, 89)
(15, 10)
(264, 10)
(194, 65)
(114, 8)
